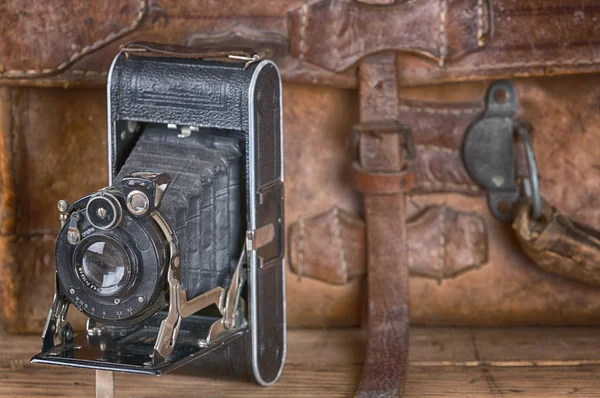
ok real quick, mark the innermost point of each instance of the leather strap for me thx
(558, 244)
(379, 182)
(387, 260)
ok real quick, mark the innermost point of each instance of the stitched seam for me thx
(338, 240)
(74, 72)
(336, 28)
(436, 148)
(441, 260)
(504, 65)
(480, 41)
(449, 185)
(301, 237)
(443, 44)
(86, 72)
(303, 24)
(425, 109)
(81, 53)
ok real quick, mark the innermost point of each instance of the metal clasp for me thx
(489, 154)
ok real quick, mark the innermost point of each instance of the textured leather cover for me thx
(313, 41)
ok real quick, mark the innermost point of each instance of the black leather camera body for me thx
(180, 258)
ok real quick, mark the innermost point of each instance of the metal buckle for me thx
(383, 127)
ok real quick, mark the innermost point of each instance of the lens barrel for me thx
(116, 273)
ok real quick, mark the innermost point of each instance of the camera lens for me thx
(103, 265)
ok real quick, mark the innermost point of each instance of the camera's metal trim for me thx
(226, 300)
(110, 131)
(253, 254)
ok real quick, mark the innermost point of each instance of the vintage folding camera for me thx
(180, 258)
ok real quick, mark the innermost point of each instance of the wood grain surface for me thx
(444, 362)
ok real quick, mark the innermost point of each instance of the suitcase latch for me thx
(489, 153)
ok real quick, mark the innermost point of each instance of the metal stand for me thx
(105, 384)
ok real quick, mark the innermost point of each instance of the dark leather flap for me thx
(45, 38)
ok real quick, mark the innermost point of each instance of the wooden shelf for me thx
(444, 362)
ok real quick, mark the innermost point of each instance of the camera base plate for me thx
(130, 349)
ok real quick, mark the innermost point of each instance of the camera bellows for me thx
(202, 202)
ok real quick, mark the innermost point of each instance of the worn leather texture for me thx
(313, 41)
(51, 149)
(559, 245)
(54, 140)
(383, 151)
(442, 243)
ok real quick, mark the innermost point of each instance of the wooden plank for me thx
(327, 363)
(549, 382)
(505, 346)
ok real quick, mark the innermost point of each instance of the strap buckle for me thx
(370, 180)
(383, 127)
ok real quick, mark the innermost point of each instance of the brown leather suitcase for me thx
(379, 96)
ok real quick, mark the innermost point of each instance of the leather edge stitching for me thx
(441, 260)
(480, 41)
(425, 109)
(338, 238)
(303, 25)
(505, 65)
(443, 43)
(76, 56)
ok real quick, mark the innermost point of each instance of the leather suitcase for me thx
(379, 96)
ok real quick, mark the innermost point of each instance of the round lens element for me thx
(103, 266)
(137, 203)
